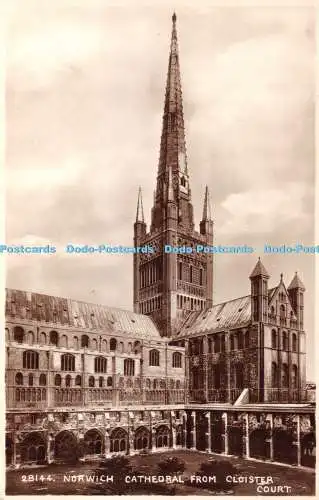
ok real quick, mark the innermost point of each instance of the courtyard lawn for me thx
(301, 482)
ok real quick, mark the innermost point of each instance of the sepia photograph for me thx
(160, 249)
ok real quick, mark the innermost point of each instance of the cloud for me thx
(262, 211)
(39, 56)
(45, 177)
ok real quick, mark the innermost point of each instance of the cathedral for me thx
(85, 381)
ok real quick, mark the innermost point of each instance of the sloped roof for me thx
(229, 314)
(271, 292)
(296, 283)
(78, 314)
(259, 270)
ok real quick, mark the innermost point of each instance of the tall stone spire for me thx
(173, 146)
(166, 285)
(139, 209)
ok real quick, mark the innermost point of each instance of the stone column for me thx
(270, 440)
(247, 447)
(107, 443)
(225, 419)
(173, 428)
(130, 430)
(193, 431)
(187, 372)
(185, 428)
(205, 366)
(298, 443)
(174, 438)
(209, 432)
(153, 438)
(50, 449)
(14, 450)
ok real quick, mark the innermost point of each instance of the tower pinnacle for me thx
(207, 209)
(139, 209)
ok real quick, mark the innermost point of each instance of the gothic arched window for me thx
(294, 342)
(30, 338)
(18, 334)
(43, 379)
(84, 341)
(67, 363)
(217, 344)
(91, 382)
(113, 344)
(284, 375)
(57, 380)
(100, 364)
(177, 360)
(285, 343)
(30, 360)
(154, 358)
(54, 338)
(19, 379)
(274, 340)
(129, 367)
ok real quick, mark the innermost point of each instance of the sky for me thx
(84, 94)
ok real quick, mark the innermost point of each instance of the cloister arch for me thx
(118, 440)
(284, 451)
(33, 448)
(65, 447)
(142, 438)
(93, 442)
(258, 446)
(163, 437)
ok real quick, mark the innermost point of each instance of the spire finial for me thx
(281, 276)
(139, 210)
(207, 213)
(174, 17)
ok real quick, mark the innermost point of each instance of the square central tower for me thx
(169, 285)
